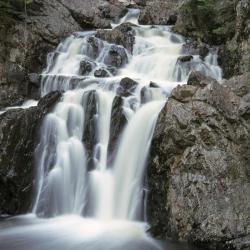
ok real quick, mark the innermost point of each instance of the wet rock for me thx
(146, 95)
(185, 58)
(196, 48)
(199, 168)
(122, 35)
(126, 87)
(239, 84)
(85, 67)
(90, 138)
(101, 73)
(116, 57)
(153, 85)
(118, 122)
(18, 140)
(95, 47)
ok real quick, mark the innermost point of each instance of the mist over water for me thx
(83, 199)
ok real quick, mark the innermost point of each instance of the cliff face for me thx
(199, 170)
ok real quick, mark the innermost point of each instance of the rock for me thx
(239, 84)
(35, 79)
(90, 138)
(127, 87)
(118, 122)
(121, 35)
(160, 12)
(244, 109)
(196, 78)
(153, 85)
(116, 57)
(18, 140)
(198, 173)
(183, 93)
(185, 58)
(95, 47)
(85, 67)
(196, 48)
(101, 73)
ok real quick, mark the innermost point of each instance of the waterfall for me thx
(74, 173)
(77, 183)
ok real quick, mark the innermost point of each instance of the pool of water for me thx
(75, 233)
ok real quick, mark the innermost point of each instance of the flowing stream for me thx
(90, 191)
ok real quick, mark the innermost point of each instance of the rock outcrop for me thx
(199, 170)
(18, 138)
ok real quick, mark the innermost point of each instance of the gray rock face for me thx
(199, 171)
(18, 138)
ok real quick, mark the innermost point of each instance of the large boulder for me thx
(199, 168)
(18, 139)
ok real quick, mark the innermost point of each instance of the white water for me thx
(87, 197)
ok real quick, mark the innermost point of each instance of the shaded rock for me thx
(185, 58)
(101, 73)
(18, 139)
(153, 85)
(146, 95)
(116, 57)
(196, 48)
(95, 47)
(126, 87)
(90, 138)
(122, 35)
(85, 67)
(199, 169)
(35, 79)
(118, 122)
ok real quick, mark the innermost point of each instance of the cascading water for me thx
(75, 174)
